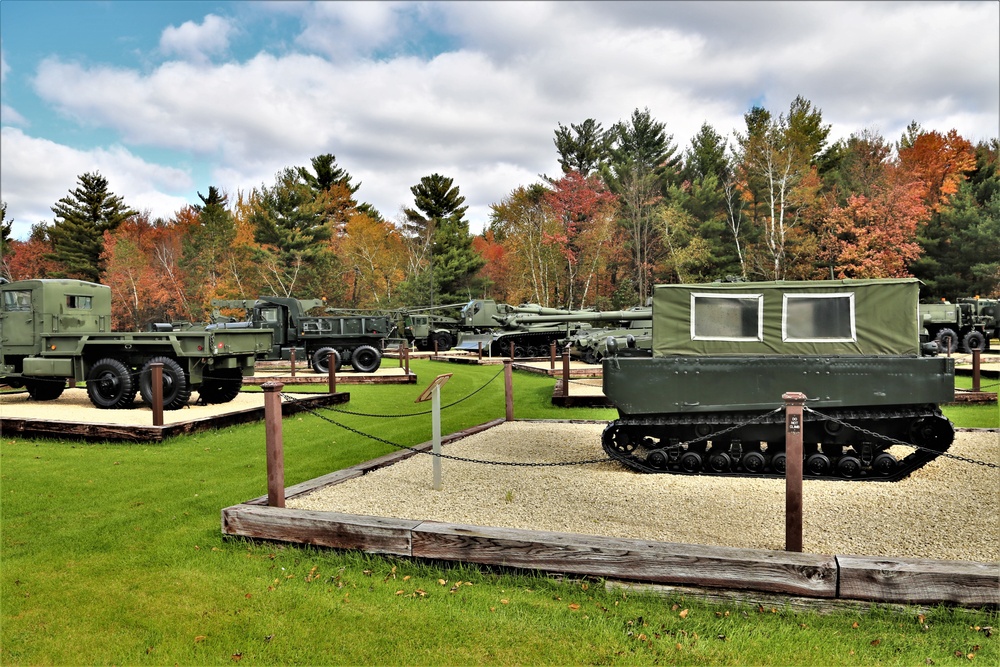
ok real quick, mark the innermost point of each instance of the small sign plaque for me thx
(427, 393)
(794, 423)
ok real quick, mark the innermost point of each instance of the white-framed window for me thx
(733, 317)
(818, 318)
(17, 300)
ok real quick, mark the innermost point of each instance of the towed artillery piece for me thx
(356, 339)
(707, 401)
(54, 330)
(528, 329)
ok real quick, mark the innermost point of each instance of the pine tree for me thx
(82, 217)
(440, 233)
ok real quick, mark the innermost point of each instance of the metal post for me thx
(975, 370)
(291, 358)
(156, 384)
(793, 469)
(331, 373)
(436, 434)
(565, 360)
(508, 389)
(275, 444)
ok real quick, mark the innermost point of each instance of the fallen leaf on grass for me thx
(199, 639)
(855, 625)
(574, 607)
(876, 642)
(683, 614)
(237, 657)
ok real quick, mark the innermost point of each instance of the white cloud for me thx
(197, 43)
(37, 173)
(484, 114)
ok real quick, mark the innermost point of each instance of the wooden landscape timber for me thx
(817, 577)
(94, 429)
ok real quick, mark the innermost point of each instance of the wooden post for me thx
(399, 349)
(512, 349)
(156, 384)
(480, 350)
(975, 370)
(331, 373)
(565, 392)
(508, 388)
(435, 347)
(406, 351)
(275, 444)
(793, 469)
(291, 358)
(552, 356)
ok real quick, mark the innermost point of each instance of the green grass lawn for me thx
(112, 554)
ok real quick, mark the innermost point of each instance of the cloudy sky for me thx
(167, 98)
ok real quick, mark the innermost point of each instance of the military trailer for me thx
(52, 331)
(723, 354)
(356, 339)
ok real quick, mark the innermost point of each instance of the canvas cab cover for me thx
(821, 317)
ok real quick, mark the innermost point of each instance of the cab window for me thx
(17, 300)
(77, 302)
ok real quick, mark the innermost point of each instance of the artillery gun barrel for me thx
(595, 316)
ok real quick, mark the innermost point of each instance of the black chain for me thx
(894, 441)
(447, 456)
(414, 414)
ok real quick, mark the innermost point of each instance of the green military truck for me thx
(966, 325)
(54, 330)
(358, 340)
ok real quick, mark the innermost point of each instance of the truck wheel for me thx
(321, 360)
(948, 340)
(444, 341)
(366, 359)
(110, 385)
(974, 340)
(44, 389)
(222, 387)
(176, 388)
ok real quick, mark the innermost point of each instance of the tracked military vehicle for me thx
(708, 401)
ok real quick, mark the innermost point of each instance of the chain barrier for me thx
(415, 414)
(415, 450)
(894, 441)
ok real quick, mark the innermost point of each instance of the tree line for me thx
(775, 200)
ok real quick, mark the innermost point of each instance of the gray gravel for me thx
(946, 510)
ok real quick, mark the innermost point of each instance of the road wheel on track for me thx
(849, 466)
(884, 464)
(817, 464)
(176, 388)
(690, 462)
(321, 360)
(753, 462)
(366, 359)
(719, 462)
(110, 385)
(222, 387)
(44, 389)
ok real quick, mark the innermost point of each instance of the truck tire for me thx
(222, 387)
(176, 388)
(44, 389)
(948, 340)
(110, 385)
(444, 341)
(974, 340)
(321, 360)
(366, 359)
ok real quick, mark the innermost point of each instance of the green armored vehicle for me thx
(54, 330)
(723, 354)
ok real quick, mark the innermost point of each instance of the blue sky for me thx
(167, 98)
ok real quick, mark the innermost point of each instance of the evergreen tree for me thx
(327, 175)
(207, 245)
(82, 217)
(439, 232)
(582, 147)
(5, 227)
